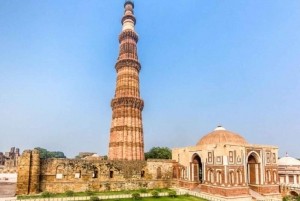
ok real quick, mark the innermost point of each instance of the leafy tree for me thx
(44, 153)
(159, 153)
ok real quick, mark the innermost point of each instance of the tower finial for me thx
(129, 2)
(286, 154)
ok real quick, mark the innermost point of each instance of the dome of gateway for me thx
(221, 136)
(288, 161)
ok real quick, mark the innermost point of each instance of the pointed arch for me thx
(196, 167)
(253, 168)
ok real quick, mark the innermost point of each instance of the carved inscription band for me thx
(128, 144)
(127, 102)
(127, 128)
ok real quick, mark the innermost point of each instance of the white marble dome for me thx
(288, 161)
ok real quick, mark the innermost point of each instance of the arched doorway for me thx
(196, 168)
(294, 194)
(253, 169)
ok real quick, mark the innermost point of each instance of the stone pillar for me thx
(193, 176)
(203, 172)
(256, 174)
(34, 179)
(23, 173)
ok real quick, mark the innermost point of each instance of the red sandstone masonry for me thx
(126, 133)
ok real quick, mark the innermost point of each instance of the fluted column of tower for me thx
(126, 133)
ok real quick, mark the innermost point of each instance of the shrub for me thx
(69, 193)
(94, 198)
(143, 190)
(285, 199)
(172, 194)
(46, 194)
(158, 189)
(89, 192)
(187, 194)
(127, 192)
(136, 196)
(155, 194)
(298, 198)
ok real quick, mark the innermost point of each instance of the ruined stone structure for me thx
(9, 160)
(126, 133)
(2, 159)
(58, 175)
(223, 163)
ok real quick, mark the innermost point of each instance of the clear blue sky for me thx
(204, 63)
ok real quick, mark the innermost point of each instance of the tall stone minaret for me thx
(126, 133)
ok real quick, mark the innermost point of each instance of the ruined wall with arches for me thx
(58, 175)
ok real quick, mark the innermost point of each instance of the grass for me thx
(178, 198)
(83, 194)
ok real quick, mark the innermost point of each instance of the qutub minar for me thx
(126, 133)
(222, 164)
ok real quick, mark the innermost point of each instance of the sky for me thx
(204, 63)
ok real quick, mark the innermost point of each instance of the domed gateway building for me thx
(223, 163)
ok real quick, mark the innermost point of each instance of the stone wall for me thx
(58, 175)
(226, 192)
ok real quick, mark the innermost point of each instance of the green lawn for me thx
(178, 198)
(83, 194)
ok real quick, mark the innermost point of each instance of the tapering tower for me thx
(126, 133)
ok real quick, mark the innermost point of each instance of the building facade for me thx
(223, 163)
(289, 176)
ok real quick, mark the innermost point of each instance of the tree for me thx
(159, 153)
(50, 154)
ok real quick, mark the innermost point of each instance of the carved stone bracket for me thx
(128, 63)
(128, 33)
(127, 102)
